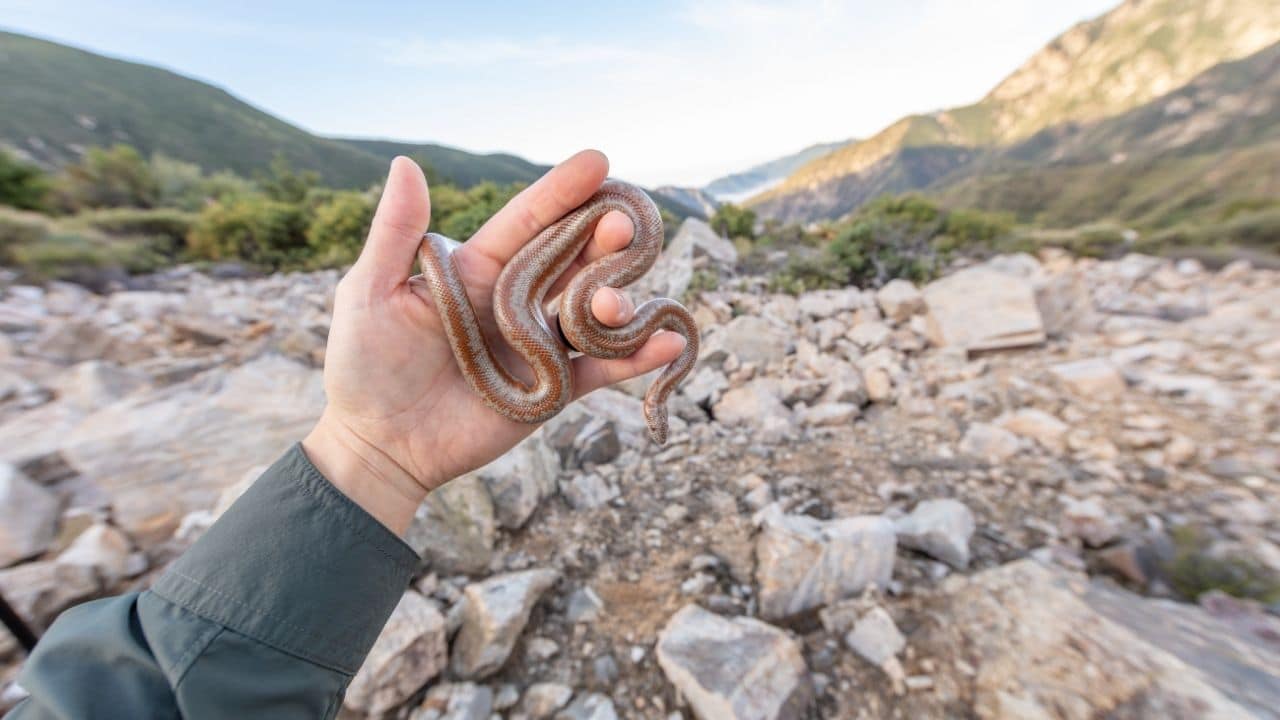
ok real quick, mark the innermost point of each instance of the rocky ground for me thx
(1019, 491)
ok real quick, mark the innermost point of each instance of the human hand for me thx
(401, 419)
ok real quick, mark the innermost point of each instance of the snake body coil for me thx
(520, 294)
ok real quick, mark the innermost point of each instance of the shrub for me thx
(460, 217)
(22, 186)
(168, 227)
(83, 257)
(732, 221)
(1194, 571)
(260, 231)
(18, 228)
(181, 184)
(807, 271)
(117, 177)
(282, 184)
(338, 229)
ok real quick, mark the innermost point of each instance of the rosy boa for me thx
(519, 297)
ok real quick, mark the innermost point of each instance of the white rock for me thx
(520, 479)
(1094, 377)
(496, 612)
(803, 563)
(1036, 424)
(988, 443)
(875, 637)
(733, 669)
(1089, 520)
(410, 650)
(940, 529)
(591, 706)
(456, 701)
(829, 414)
(586, 491)
(104, 548)
(749, 338)
(870, 335)
(28, 516)
(751, 404)
(38, 591)
(455, 528)
(544, 698)
(899, 299)
(979, 308)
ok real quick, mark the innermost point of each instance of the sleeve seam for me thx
(193, 653)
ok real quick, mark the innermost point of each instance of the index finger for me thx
(563, 188)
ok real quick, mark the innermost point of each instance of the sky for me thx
(674, 91)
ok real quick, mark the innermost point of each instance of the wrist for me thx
(364, 473)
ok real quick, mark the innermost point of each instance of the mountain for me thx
(58, 100)
(458, 166)
(1201, 149)
(754, 180)
(695, 200)
(1101, 68)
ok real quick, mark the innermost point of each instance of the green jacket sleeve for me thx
(269, 614)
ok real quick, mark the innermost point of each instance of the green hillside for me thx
(459, 167)
(59, 100)
(1102, 68)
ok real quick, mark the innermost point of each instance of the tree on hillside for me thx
(283, 184)
(732, 221)
(21, 185)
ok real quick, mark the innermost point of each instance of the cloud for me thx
(547, 51)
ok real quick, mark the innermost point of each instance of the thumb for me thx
(402, 217)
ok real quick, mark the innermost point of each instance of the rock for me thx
(940, 529)
(543, 699)
(1038, 425)
(705, 242)
(455, 528)
(104, 548)
(28, 516)
(519, 480)
(704, 386)
(1088, 520)
(733, 669)
(202, 331)
(410, 650)
(303, 345)
(899, 300)
(1028, 632)
(592, 706)
(988, 443)
(876, 638)
(751, 404)
(878, 382)
(670, 275)
(804, 563)
(456, 701)
(584, 605)
(870, 335)
(982, 309)
(75, 341)
(829, 414)
(38, 591)
(1095, 377)
(749, 338)
(587, 491)
(496, 612)
(96, 383)
(188, 439)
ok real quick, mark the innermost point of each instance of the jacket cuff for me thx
(295, 564)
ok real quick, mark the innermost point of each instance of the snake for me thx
(545, 337)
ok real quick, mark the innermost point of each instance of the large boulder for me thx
(1035, 648)
(161, 453)
(899, 300)
(749, 338)
(38, 591)
(411, 649)
(495, 613)
(520, 479)
(940, 529)
(733, 669)
(803, 563)
(28, 516)
(979, 308)
(751, 404)
(454, 530)
(105, 549)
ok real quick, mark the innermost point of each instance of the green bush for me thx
(807, 271)
(284, 185)
(22, 186)
(168, 227)
(81, 256)
(338, 229)
(18, 228)
(460, 214)
(263, 232)
(1193, 571)
(732, 221)
(117, 177)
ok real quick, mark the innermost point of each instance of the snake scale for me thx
(519, 297)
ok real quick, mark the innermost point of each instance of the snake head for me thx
(655, 416)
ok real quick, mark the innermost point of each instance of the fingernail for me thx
(624, 305)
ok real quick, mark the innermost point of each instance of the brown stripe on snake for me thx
(519, 297)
